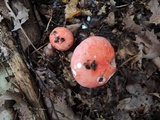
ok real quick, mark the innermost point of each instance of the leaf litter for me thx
(155, 9)
(132, 93)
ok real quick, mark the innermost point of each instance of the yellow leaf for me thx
(71, 9)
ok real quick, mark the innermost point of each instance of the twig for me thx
(130, 59)
(48, 23)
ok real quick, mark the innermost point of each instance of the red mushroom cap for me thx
(61, 38)
(93, 62)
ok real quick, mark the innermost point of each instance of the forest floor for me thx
(133, 29)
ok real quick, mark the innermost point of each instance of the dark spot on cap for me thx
(62, 40)
(54, 32)
(94, 65)
(100, 79)
(56, 39)
(86, 66)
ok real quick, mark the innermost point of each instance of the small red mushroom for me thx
(61, 38)
(93, 62)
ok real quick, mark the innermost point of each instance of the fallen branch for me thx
(22, 74)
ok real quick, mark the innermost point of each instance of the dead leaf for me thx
(121, 115)
(64, 1)
(54, 95)
(125, 101)
(3, 10)
(149, 39)
(110, 20)
(1, 18)
(14, 96)
(86, 12)
(150, 69)
(24, 112)
(151, 46)
(131, 9)
(112, 3)
(155, 94)
(135, 89)
(22, 15)
(153, 4)
(74, 27)
(4, 85)
(156, 61)
(68, 75)
(131, 25)
(21, 105)
(58, 106)
(102, 10)
(71, 9)
(7, 114)
(139, 101)
(155, 9)
(126, 48)
(4, 53)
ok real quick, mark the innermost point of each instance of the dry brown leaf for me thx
(131, 9)
(155, 9)
(122, 115)
(155, 94)
(62, 107)
(71, 9)
(22, 14)
(54, 96)
(152, 5)
(4, 11)
(64, 1)
(136, 103)
(14, 96)
(135, 89)
(122, 53)
(149, 39)
(86, 12)
(68, 75)
(110, 20)
(126, 48)
(150, 69)
(139, 101)
(102, 10)
(24, 112)
(112, 3)
(21, 105)
(21, 17)
(131, 25)
(58, 106)
(74, 27)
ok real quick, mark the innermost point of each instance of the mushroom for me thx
(48, 50)
(93, 62)
(61, 38)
